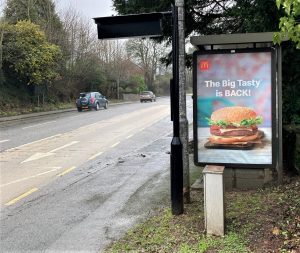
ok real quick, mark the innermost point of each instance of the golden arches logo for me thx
(204, 65)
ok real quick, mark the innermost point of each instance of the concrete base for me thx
(242, 178)
(247, 178)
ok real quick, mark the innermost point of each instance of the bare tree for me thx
(79, 36)
(79, 58)
(146, 53)
(83, 48)
(114, 61)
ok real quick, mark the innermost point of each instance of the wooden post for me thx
(214, 200)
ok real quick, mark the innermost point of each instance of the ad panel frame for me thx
(274, 120)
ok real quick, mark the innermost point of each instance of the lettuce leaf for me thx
(220, 123)
(245, 122)
(250, 122)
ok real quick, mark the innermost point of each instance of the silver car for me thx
(147, 96)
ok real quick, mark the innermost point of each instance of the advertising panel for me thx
(234, 110)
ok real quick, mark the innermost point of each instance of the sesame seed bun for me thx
(233, 114)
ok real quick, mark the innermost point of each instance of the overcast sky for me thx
(89, 8)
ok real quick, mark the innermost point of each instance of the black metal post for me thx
(279, 165)
(176, 145)
(171, 98)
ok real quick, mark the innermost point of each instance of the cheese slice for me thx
(224, 130)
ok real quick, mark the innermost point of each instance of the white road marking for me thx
(75, 116)
(41, 124)
(129, 136)
(31, 177)
(89, 125)
(4, 141)
(64, 146)
(114, 145)
(38, 155)
(24, 145)
(94, 156)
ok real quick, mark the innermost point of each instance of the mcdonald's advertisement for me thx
(233, 111)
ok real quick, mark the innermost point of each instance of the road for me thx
(77, 181)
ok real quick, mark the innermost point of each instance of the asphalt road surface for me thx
(77, 181)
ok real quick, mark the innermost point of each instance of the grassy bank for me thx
(13, 111)
(265, 220)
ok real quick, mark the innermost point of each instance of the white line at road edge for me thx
(75, 116)
(41, 124)
(4, 141)
(24, 145)
(27, 178)
(89, 125)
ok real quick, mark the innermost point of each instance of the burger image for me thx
(234, 125)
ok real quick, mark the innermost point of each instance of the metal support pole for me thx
(172, 97)
(279, 112)
(184, 125)
(176, 145)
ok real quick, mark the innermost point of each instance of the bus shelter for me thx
(237, 74)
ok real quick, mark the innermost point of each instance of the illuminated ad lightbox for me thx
(234, 108)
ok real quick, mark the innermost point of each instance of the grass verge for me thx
(13, 111)
(9, 110)
(264, 220)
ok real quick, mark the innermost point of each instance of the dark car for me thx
(91, 100)
(147, 96)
